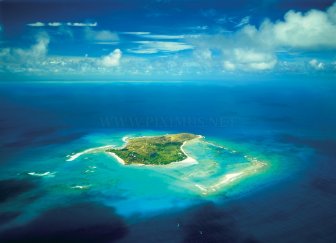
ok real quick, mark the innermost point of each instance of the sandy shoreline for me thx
(120, 160)
(229, 178)
(47, 174)
(87, 151)
(189, 160)
(186, 162)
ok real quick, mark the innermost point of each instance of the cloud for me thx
(57, 24)
(37, 51)
(40, 49)
(16, 60)
(107, 42)
(112, 59)
(316, 64)
(150, 47)
(249, 60)
(76, 24)
(143, 51)
(331, 12)
(101, 35)
(288, 44)
(315, 29)
(204, 57)
(253, 48)
(136, 33)
(243, 22)
(149, 35)
(333, 64)
(163, 37)
(199, 27)
(36, 60)
(229, 66)
(36, 24)
(203, 54)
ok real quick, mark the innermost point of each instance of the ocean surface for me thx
(288, 125)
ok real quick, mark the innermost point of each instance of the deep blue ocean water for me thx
(288, 124)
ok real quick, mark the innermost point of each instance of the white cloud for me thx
(107, 42)
(35, 60)
(136, 33)
(204, 57)
(203, 54)
(249, 60)
(333, 64)
(105, 35)
(229, 66)
(311, 30)
(77, 24)
(149, 35)
(143, 51)
(55, 24)
(243, 21)
(332, 13)
(164, 37)
(254, 48)
(316, 64)
(36, 51)
(36, 24)
(249, 48)
(101, 35)
(25, 60)
(160, 46)
(199, 27)
(314, 29)
(112, 59)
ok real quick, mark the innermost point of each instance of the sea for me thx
(55, 186)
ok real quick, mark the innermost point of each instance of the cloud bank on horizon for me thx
(182, 41)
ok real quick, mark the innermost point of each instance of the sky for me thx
(166, 39)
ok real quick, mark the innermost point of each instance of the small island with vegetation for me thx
(153, 150)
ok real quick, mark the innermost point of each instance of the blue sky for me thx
(166, 39)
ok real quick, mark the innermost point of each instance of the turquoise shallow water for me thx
(289, 128)
(144, 190)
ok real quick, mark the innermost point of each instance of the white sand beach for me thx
(186, 162)
(120, 160)
(87, 151)
(48, 173)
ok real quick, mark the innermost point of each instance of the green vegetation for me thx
(159, 150)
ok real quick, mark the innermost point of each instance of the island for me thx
(153, 150)
(208, 168)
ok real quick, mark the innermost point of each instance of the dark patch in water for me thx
(325, 185)
(40, 132)
(276, 119)
(277, 216)
(12, 188)
(250, 240)
(25, 141)
(211, 224)
(85, 222)
(6, 217)
(323, 146)
(215, 223)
